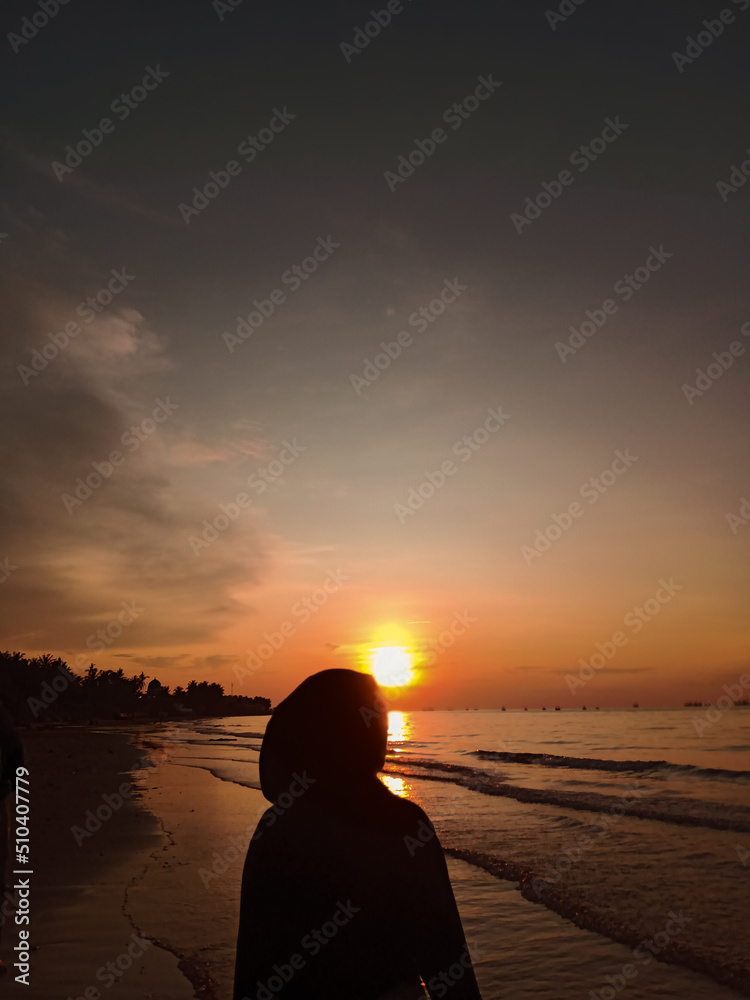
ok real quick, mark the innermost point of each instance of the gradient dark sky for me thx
(333, 510)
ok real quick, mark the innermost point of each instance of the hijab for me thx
(334, 727)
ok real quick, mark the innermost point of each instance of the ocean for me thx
(593, 854)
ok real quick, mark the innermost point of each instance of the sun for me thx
(392, 666)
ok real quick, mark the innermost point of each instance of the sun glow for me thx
(392, 666)
(396, 726)
(394, 784)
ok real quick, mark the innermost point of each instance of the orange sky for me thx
(399, 406)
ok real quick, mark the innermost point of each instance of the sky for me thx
(342, 346)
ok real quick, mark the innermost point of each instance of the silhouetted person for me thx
(345, 890)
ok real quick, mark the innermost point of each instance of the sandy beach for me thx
(143, 903)
(84, 939)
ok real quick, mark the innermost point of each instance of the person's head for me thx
(333, 726)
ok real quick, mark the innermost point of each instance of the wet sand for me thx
(166, 868)
(80, 912)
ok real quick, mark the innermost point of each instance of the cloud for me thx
(203, 663)
(160, 662)
(86, 187)
(128, 539)
(612, 670)
(629, 670)
(189, 666)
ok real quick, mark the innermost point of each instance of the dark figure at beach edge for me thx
(345, 890)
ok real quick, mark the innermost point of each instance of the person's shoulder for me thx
(405, 813)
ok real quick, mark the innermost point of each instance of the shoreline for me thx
(90, 840)
(166, 865)
(190, 899)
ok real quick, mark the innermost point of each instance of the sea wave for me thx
(605, 921)
(636, 801)
(598, 764)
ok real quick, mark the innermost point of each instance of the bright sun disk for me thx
(392, 666)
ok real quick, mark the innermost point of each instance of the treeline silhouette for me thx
(44, 689)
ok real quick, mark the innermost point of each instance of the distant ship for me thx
(525, 709)
(583, 709)
(502, 709)
(557, 708)
(544, 708)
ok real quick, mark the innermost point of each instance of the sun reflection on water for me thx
(400, 727)
(394, 784)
